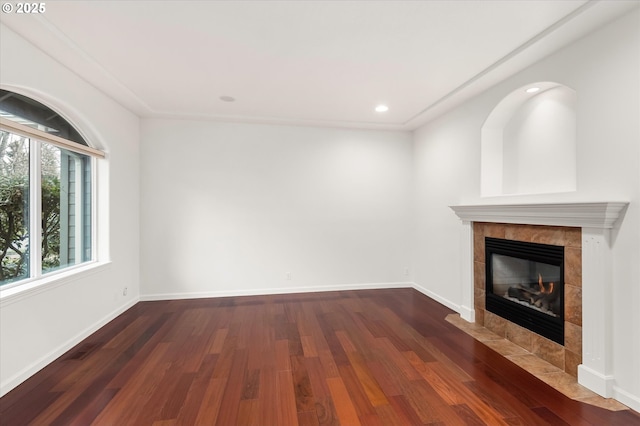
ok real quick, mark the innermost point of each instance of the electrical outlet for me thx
(406, 272)
(288, 276)
(124, 291)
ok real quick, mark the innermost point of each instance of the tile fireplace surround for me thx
(584, 229)
(567, 357)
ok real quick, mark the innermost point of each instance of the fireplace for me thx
(584, 229)
(525, 285)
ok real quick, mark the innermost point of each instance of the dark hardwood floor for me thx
(374, 357)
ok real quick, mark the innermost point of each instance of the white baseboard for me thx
(292, 290)
(45, 360)
(631, 401)
(449, 304)
(269, 291)
(595, 381)
(467, 314)
(605, 386)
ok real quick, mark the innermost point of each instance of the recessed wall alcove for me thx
(529, 142)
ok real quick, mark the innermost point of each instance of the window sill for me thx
(31, 288)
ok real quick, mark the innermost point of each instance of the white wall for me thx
(540, 145)
(39, 325)
(232, 208)
(604, 69)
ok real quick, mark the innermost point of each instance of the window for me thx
(46, 181)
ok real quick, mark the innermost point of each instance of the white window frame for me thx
(36, 138)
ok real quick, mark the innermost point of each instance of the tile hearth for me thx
(543, 370)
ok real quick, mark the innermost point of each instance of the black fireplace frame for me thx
(538, 322)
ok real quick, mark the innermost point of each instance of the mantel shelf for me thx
(584, 215)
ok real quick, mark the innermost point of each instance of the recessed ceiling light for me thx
(532, 89)
(382, 108)
(227, 99)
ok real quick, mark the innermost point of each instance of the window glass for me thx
(14, 207)
(26, 111)
(66, 207)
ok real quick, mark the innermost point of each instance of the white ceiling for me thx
(324, 63)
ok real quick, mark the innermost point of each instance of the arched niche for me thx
(529, 142)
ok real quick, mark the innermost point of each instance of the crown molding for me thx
(585, 215)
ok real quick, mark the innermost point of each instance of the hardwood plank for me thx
(302, 385)
(147, 377)
(249, 413)
(210, 406)
(468, 415)
(287, 414)
(188, 411)
(549, 416)
(308, 418)
(342, 402)
(359, 400)
(403, 410)
(233, 389)
(268, 398)
(392, 353)
(383, 378)
(251, 385)
(283, 362)
(309, 346)
(371, 388)
(218, 341)
(90, 411)
(447, 393)
(325, 411)
(428, 405)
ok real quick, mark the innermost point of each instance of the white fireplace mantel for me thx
(584, 215)
(596, 220)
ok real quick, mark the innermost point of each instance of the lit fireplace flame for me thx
(544, 290)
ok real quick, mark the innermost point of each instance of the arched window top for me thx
(47, 175)
(31, 113)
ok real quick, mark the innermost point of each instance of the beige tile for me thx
(571, 362)
(548, 350)
(519, 335)
(479, 301)
(479, 275)
(573, 266)
(566, 384)
(505, 347)
(484, 335)
(519, 232)
(495, 323)
(533, 364)
(495, 230)
(573, 304)
(478, 242)
(461, 323)
(573, 237)
(548, 235)
(480, 316)
(573, 338)
(473, 329)
(606, 403)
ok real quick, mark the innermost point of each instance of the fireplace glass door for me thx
(525, 285)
